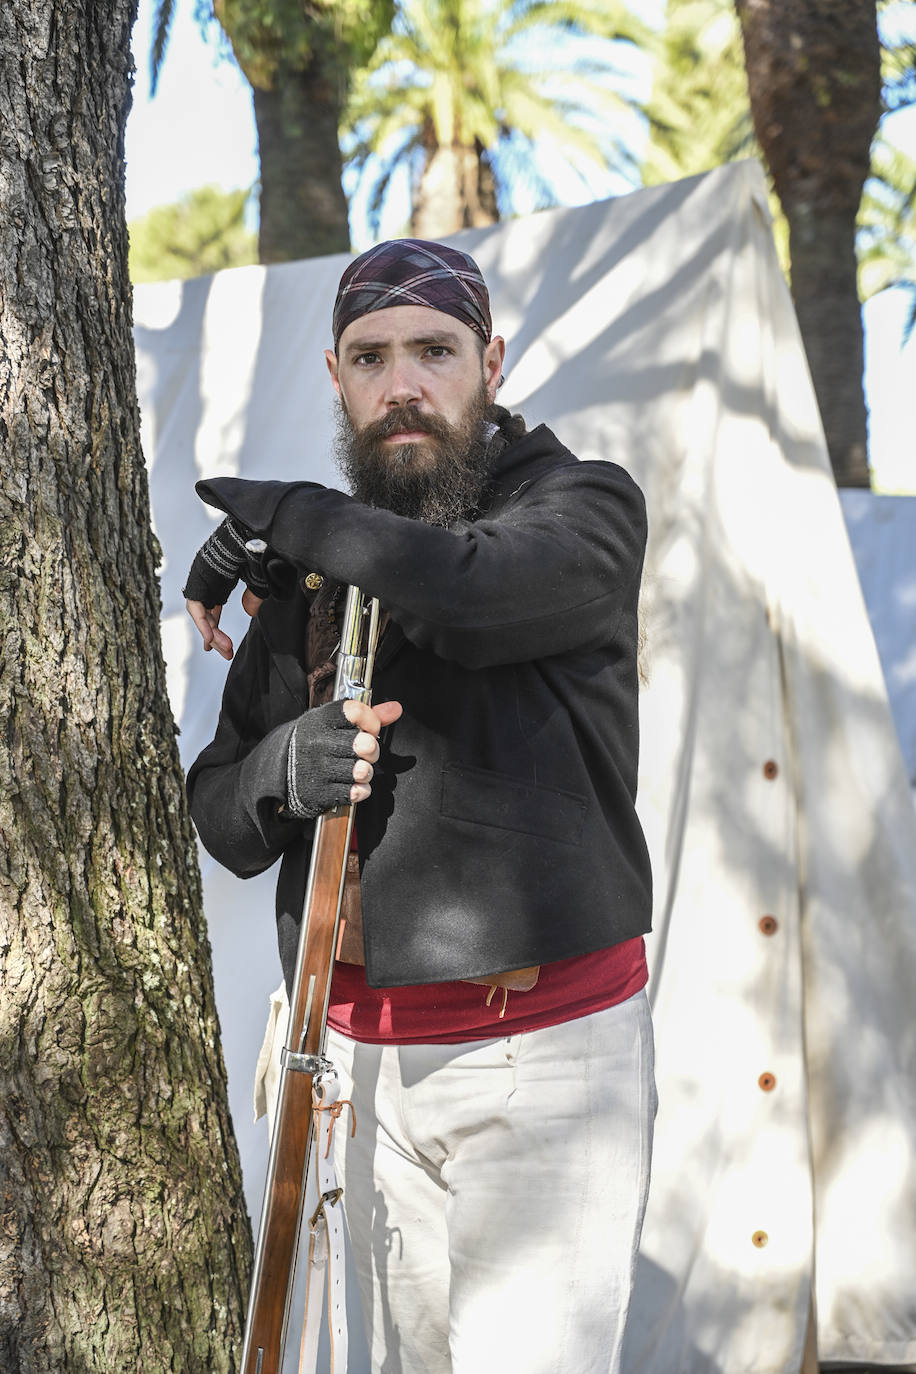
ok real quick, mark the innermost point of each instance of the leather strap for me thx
(326, 1260)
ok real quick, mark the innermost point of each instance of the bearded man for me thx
(491, 1023)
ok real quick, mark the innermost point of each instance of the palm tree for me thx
(699, 112)
(887, 227)
(815, 86)
(887, 214)
(463, 92)
(699, 115)
(298, 56)
(897, 26)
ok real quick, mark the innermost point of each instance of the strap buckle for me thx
(330, 1198)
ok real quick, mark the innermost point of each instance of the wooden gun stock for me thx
(303, 1055)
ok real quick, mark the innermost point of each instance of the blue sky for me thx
(200, 129)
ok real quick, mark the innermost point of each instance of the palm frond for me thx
(595, 18)
(460, 73)
(897, 29)
(162, 23)
(910, 322)
(886, 237)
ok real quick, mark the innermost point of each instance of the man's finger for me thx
(388, 712)
(251, 603)
(361, 715)
(222, 644)
(207, 622)
(366, 746)
(372, 718)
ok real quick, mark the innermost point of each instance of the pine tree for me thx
(203, 232)
(124, 1242)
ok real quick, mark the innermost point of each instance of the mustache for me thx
(438, 492)
(405, 419)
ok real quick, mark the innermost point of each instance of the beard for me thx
(439, 480)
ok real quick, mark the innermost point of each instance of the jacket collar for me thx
(523, 460)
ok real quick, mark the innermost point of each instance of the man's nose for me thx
(402, 387)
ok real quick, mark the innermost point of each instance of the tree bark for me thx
(486, 185)
(815, 86)
(124, 1241)
(437, 209)
(455, 192)
(303, 207)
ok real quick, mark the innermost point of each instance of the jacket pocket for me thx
(496, 799)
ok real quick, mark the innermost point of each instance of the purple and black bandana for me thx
(413, 272)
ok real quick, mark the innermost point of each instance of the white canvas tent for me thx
(656, 331)
(882, 531)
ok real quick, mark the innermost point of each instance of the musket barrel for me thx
(287, 1171)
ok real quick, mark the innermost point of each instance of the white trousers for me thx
(495, 1192)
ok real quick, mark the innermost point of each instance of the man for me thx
(496, 1041)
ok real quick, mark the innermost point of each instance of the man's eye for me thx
(365, 359)
(438, 351)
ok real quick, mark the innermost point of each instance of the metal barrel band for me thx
(304, 1063)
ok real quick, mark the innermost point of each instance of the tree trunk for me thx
(453, 194)
(815, 85)
(486, 186)
(124, 1241)
(303, 207)
(438, 209)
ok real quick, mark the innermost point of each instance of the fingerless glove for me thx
(219, 564)
(319, 772)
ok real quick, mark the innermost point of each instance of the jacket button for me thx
(767, 1082)
(759, 1238)
(770, 769)
(313, 581)
(768, 925)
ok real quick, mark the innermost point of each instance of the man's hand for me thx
(371, 720)
(221, 561)
(327, 764)
(207, 621)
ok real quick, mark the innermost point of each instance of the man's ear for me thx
(330, 358)
(493, 357)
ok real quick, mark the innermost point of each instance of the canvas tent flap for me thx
(656, 331)
(882, 531)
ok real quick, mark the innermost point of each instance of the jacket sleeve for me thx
(547, 574)
(237, 784)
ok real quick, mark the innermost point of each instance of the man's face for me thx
(414, 386)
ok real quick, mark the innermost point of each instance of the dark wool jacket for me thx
(501, 830)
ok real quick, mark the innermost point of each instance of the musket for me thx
(303, 1055)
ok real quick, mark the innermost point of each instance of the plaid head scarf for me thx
(413, 272)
